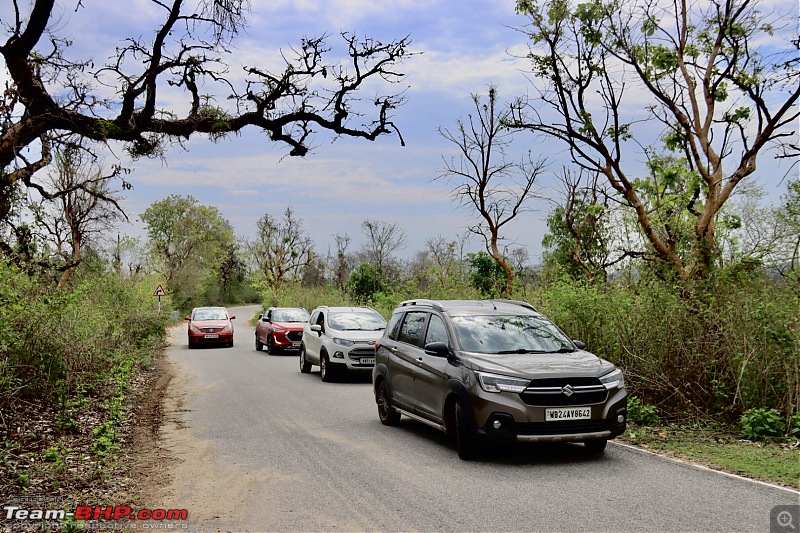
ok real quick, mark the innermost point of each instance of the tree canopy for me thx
(51, 96)
(717, 79)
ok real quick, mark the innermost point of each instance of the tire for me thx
(595, 447)
(271, 349)
(305, 366)
(192, 345)
(326, 371)
(465, 440)
(230, 344)
(386, 413)
(259, 344)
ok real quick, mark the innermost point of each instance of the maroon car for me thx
(210, 325)
(280, 328)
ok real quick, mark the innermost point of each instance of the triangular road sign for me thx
(160, 291)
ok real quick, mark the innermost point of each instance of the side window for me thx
(412, 328)
(392, 328)
(437, 332)
(313, 319)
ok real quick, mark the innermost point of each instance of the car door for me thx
(261, 327)
(406, 355)
(431, 375)
(312, 340)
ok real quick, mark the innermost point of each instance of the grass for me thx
(776, 460)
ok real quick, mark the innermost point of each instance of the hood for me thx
(291, 326)
(356, 335)
(534, 365)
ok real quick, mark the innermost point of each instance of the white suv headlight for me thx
(613, 380)
(497, 383)
(343, 342)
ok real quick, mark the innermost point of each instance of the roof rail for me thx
(517, 302)
(422, 301)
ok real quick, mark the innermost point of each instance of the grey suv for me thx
(480, 369)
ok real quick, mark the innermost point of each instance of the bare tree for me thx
(486, 181)
(442, 254)
(50, 95)
(281, 248)
(383, 240)
(78, 204)
(719, 100)
(342, 264)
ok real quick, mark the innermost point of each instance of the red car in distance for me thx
(280, 328)
(210, 325)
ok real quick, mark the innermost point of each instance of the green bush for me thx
(640, 413)
(759, 423)
(58, 343)
(731, 346)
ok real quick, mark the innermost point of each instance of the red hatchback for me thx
(280, 328)
(210, 325)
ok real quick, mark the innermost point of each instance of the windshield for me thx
(289, 315)
(210, 314)
(356, 321)
(510, 334)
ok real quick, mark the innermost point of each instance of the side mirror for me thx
(580, 344)
(264, 318)
(233, 317)
(437, 349)
(186, 318)
(316, 327)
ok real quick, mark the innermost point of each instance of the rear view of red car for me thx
(280, 328)
(210, 325)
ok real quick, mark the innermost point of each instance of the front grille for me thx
(558, 399)
(357, 353)
(549, 392)
(563, 427)
(211, 330)
(294, 335)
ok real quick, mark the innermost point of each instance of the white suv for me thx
(338, 339)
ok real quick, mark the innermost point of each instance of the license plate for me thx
(366, 361)
(296, 344)
(214, 336)
(568, 413)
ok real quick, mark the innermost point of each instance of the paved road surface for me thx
(262, 447)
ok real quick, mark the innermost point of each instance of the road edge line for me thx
(703, 467)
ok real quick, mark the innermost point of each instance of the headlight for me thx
(278, 329)
(226, 328)
(613, 380)
(195, 328)
(343, 342)
(495, 383)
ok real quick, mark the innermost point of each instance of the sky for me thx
(462, 47)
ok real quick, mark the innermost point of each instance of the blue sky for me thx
(463, 47)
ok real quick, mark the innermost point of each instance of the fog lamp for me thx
(620, 418)
(338, 355)
(496, 424)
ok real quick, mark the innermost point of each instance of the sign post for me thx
(159, 292)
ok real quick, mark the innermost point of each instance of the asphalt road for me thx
(262, 447)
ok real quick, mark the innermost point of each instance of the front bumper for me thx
(525, 423)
